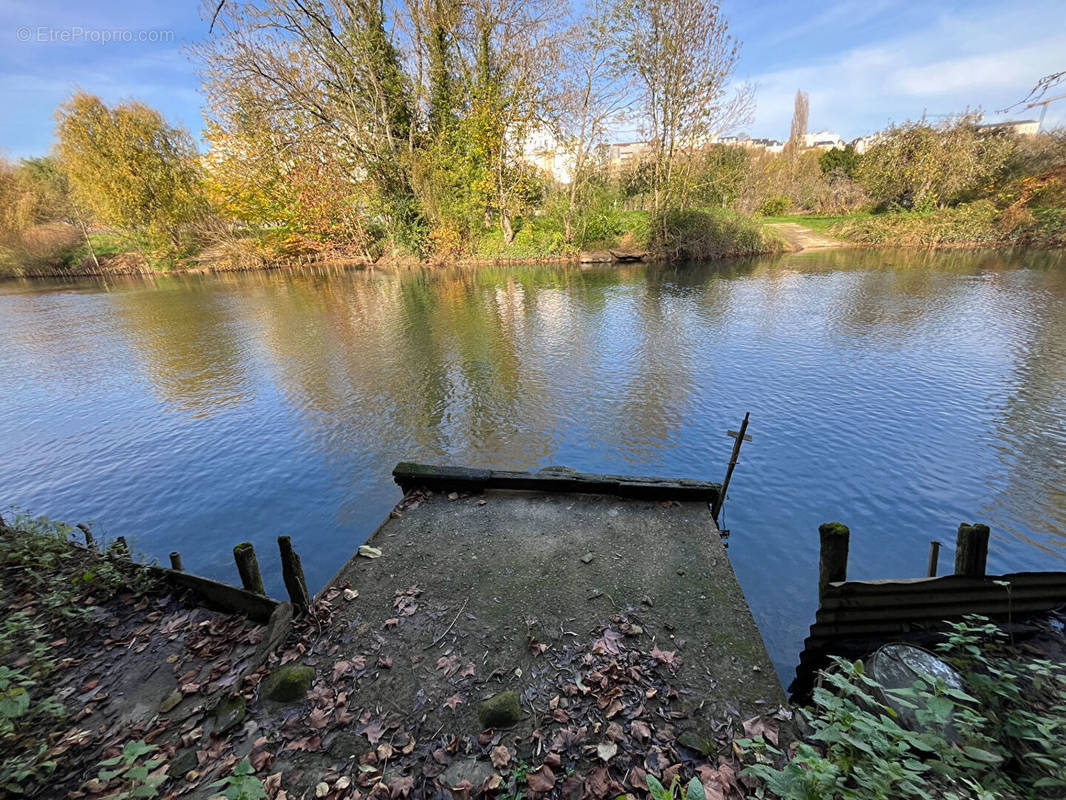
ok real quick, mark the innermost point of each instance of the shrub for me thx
(698, 234)
(775, 205)
(1010, 726)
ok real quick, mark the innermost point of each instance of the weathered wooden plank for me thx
(221, 596)
(411, 476)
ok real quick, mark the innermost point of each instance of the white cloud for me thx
(951, 65)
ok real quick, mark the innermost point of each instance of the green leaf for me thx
(977, 754)
(695, 790)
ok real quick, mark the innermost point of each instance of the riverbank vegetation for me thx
(444, 131)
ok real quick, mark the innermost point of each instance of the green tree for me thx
(132, 169)
(921, 166)
(839, 162)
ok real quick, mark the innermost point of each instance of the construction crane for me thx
(1043, 108)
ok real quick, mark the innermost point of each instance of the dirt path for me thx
(800, 237)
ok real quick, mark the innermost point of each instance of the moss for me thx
(501, 711)
(701, 744)
(229, 715)
(288, 683)
(834, 529)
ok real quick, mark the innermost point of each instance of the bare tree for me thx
(592, 94)
(683, 57)
(800, 114)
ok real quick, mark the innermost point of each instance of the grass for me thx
(105, 244)
(819, 223)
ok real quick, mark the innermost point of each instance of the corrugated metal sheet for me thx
(856, 617)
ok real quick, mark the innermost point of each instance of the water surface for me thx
(900, 393)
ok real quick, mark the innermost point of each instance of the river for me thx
(900, 393)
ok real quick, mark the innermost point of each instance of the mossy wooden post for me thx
(175, 562)
(248, 567)
(934, 558)
(833, 557)
(971, 550)
(292, 572)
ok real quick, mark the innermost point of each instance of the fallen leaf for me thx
(322, 789)
(318, 718)
(500, 757)
(367, 551)
(640, 729)
(385, 662)
(761, 726)
(664, 656)
(374, 732)
(401, 786)
(453, 701)
(341, 668)
(606, 750)
(541, 779)
(351, 594)
(392, 621)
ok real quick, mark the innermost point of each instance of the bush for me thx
(775, 205)
(1010, 724)
(717, 233)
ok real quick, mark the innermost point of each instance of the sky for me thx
(865, 63)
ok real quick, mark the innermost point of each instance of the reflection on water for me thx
(901, 393)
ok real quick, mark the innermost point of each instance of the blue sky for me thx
(865, 63)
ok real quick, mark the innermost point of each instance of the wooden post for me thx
(248, 567)
(833, 557)
(934, 557)
(292, 572)
(88, 534)
(971, 550)
(740, 439)
(175, 562)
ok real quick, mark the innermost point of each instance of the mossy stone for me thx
(171, 701)
(701, 744)
(501, 711)
(229, 715)
(289, 683)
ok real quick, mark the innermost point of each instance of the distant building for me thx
(542, 150)
(823, 140)
(625, 154)
(864, 143)
(1018, 127)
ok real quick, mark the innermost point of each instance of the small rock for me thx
(229, 715)
(646, 600)
(453, 495)
(288, 683)
(701, 744)
(587, 558)
(170, 702)
(467, 770)
(184, 761)
(501, 711)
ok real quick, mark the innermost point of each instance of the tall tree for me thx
(683, 57)
(326, 74)
(801, 110)
(129, 166)
(592, 93)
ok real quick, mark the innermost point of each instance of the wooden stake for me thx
(833, 557)
(175, 562)
(88, 534)
(740, 439)
(248, 567)
(971, 550)
(292, 572)
(934, 557)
